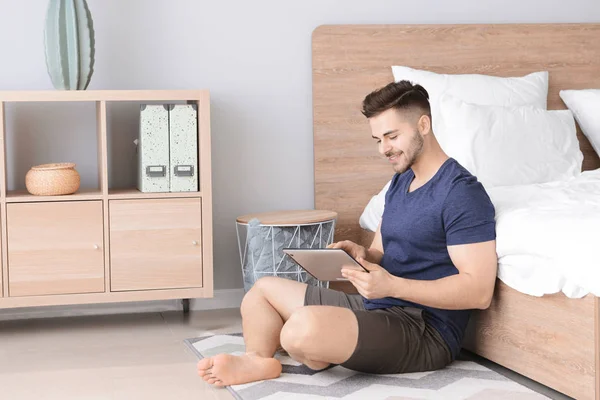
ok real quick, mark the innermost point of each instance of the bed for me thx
(551, 339)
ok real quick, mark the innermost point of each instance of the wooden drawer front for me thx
(155, 244)
(55, 248)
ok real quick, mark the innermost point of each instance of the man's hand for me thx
(375, 284)
(355, 250)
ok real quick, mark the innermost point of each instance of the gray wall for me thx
(254, 57)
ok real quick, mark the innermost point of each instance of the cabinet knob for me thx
(96, 247)
(195, 243)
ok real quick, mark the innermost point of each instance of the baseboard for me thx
(224, 298)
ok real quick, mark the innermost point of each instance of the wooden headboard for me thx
(349, 61)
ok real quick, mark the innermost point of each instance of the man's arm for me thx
(471, 288)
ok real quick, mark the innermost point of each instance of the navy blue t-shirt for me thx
(452, 208)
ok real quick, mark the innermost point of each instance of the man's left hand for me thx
(375, 284)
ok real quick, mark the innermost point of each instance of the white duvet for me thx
(548, 236)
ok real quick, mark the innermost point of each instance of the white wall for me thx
(254, 56)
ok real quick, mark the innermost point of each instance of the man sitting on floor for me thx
(432, 260)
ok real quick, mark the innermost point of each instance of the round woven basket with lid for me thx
(52, 179)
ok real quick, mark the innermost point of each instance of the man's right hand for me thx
(355, 250)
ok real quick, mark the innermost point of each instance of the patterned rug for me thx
(462, 380)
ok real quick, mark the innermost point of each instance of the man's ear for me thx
(424, 125)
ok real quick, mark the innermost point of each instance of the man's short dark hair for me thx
(401, 95)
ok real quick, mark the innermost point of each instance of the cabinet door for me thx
(155, 244)
(55, 248)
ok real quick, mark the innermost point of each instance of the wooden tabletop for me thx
(291, 217)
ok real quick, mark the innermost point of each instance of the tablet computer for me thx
(323, 264)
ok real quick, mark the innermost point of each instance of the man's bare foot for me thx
(225, 369)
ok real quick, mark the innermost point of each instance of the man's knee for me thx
(300, 331)
(266, 285)
(257, 292)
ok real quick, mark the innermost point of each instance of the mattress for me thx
(548, 236)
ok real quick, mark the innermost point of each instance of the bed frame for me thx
(553, 339)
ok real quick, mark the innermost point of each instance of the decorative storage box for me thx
(153, 149)
(168, 148)
(183, 149)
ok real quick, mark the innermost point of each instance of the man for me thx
(432, 260)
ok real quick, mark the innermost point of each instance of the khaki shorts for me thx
(390, 341)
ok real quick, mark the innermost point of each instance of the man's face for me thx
(398, 139)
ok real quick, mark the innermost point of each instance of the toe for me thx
(204, 365)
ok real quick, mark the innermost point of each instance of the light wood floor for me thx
(133, 356)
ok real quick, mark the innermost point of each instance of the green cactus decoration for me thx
(69, 42)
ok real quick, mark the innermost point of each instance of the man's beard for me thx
(415, 149)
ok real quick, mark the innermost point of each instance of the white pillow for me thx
(585, 105)
(531, 89)
(372, 213)
(507, 146)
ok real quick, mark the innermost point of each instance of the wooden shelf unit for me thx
(56, 250)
